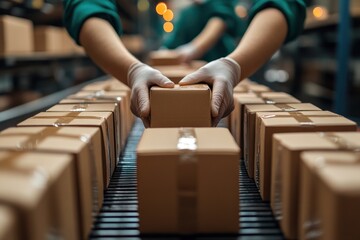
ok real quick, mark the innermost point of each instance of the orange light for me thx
(241, 11)
(318, 12)
(168, 27)
(168, 15)
(161, 8)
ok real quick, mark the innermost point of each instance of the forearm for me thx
(104, 46)
(209, 36)
(264, 36)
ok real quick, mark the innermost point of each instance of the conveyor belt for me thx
(119, 218)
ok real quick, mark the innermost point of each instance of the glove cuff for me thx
(235, 66)
(131, 72)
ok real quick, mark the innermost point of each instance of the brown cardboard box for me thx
(163, 58)
(255, 88)
(285, 175)
(269, 123)
(9, 225)
(181, 106)
(241, 99)
(32, 184)
(101, 120)
(175, 74)
(16, 35)
(48, 39)
(330, 195)
(114, 118)
(78, 141)
(181, 177)
(249, 126)
(122, 98)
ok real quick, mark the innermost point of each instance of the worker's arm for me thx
(208, 37)
(265, 34)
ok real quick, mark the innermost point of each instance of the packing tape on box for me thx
(187, 180)
(97, 95)
(312, 226)
(36, 138)
(285, 107)
(304, 121)
(65, 120)
(340, 142)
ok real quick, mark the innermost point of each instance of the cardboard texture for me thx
(181, 177)
(176, 74)
(80, 143)
(16, 35)
(9, 225)
(48, 39)
(249, 126)
(181, 106)
(93, 107)
(269, 123)
(163, 58)
(122, 98)
(330, 195)
(285, 174)
(59, 171)
(254, 88)
(241, 99)
(101, 120)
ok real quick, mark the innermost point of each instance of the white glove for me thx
(223, 75)
(140, 78)
(187, 52)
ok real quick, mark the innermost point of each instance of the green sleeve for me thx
(293, 10)
(76, 12)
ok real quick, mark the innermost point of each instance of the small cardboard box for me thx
(241, 99)
(254, 88)
(16, 35)
(48, 39)
(164, 58)
(83, 144)
(249, 126)
(285, 174)
(269, 123)
(101, 120)
(33, 184)
(9, 224)
(181, 106)
(330, 195)
(120, 97)
(94, 107)
(181, 177)
(176, 74)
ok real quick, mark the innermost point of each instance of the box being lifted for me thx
(181, 106)
(188, 181)
(330, 195)
(40, 188)
(287, 148)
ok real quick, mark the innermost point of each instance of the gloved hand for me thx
(187, 52)
(223, 75)
(140, 78)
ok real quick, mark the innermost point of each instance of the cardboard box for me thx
(249, 126)
(269, 123)
(175, 74)
(241, 99)
(100, 120)
(330, 195)
(9, 224)
(84, 144)
(164, 58)
(254, 88)
(181, 177)
(120, 97)
(181, 106)
(285, 175)
(48, 39)
(114, 118)
(33, 184)
(16, 35)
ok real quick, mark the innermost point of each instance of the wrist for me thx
(133, 67)
(235, 67)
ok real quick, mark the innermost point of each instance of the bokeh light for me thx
(319, 12)
(168, 27)
(168, 15)
(161, 8)
(241, 11)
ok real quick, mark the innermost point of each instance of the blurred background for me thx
(322, 66)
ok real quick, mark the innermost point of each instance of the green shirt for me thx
(77, 11)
